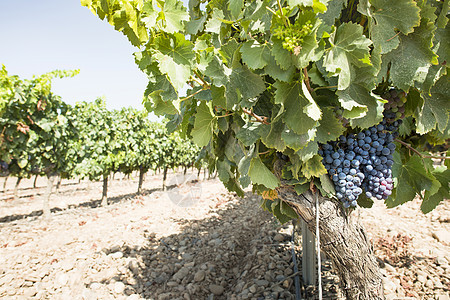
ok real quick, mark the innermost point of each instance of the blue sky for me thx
(39, 36)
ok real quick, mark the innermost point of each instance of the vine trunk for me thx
(343, 240)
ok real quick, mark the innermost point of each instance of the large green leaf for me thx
(175, 56)
(401, 15)
(330, 127)
(260, 174)
(430, 200)
(204, 125)
(350, 49)
(412, 179)
(291, 96)
(173, 13)
(436, 108)
(255, 55)
(243, 84)
(404, 71)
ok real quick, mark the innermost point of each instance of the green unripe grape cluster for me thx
(292, 36)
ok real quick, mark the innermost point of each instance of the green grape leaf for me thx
(151, 12)
(291, 96)
(296, 141)
(436, 108)
(412, 178)
(430, 201)
(158, 106)
(223, 170)
(282, 56)
(330, 127)
(249, 133)
(275, 71)
(313, 167)
(404, 71)
(204, 125)
(307, 152)
(175, 57)
(255, 55)
(403, 15)
(215, 22)
(274, 139)
(174, 13)
(195, 25)
(276, 211)
(350, 48)
(363, 109)
(327, 185)
(260, 174)
(286, 210)
(235, 7)
(249, 85)
(365, 202)
(218, 72)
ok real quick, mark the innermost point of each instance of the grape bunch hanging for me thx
(361, 162)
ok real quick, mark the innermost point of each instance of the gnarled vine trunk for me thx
(345, 243)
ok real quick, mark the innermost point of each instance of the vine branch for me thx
(308, 85)
(258, 118)
(205, 84)
(193, 94)
(420, 154)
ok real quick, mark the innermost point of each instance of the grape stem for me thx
(308, 85)
(265, 152)
(205, 84)
(258, 118)
(282, 15)
(418, 153)
(192, 95)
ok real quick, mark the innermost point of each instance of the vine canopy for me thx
(289, 76)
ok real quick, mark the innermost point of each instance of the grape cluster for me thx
(292, 36)
(395, 107)
(362, 162)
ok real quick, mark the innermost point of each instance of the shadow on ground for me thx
(87, 204)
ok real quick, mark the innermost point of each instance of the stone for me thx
(116, 255)
(442, 236)
(389, 268)
(133, 266)
(133, 297)
(278, 237)
(119, 287)
(199, 275)
(441, 261)
(252, 289)
(216, 289)
(262, 282)
(95, 286)
(183, 272)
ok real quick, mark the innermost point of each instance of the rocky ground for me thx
(193, 242)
